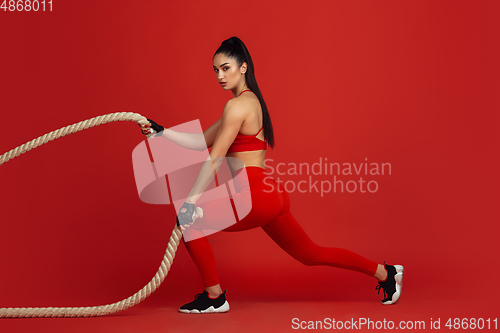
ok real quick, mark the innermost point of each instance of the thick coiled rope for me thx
(101, 310)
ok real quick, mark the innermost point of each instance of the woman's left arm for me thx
(233, 116)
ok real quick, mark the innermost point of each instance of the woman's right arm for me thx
(194, 141)
(211, 133)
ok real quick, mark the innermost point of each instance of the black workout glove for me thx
(158, 128)
(187, 217)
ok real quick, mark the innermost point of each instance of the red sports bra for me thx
(247, 142)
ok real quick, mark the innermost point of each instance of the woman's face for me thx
(228, 74)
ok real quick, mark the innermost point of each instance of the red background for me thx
(411, 83)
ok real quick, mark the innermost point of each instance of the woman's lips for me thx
(223, 83)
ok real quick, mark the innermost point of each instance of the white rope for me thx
(101, 310)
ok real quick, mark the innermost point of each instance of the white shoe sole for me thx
(223, 308)
(399, 285)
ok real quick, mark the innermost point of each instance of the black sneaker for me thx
(393, 285)
(204, 304)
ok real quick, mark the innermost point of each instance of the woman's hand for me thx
(198, 213)
(147, 129)
(184, 227)
(187, 215)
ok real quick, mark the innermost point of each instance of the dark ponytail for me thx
(235, 48)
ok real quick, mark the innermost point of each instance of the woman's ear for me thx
(243, 68)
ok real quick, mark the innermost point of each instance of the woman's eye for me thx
(225, 68)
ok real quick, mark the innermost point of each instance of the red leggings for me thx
(270, 210)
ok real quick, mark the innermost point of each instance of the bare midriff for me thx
(249, 158)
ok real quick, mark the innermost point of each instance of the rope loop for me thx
(100, 310)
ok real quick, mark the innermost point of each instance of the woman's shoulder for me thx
(237, 105)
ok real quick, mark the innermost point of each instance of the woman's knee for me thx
(311, 256)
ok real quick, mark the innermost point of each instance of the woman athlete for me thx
(233, 135)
